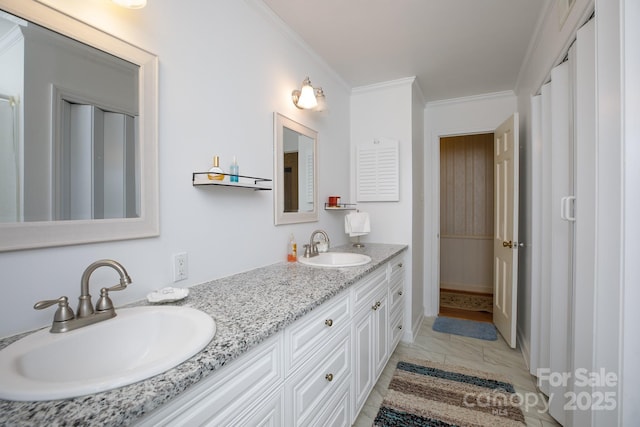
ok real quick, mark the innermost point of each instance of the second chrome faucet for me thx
(311, 249)
(64, 319)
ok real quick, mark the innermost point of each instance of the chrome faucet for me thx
(311, 249)
(64, 320)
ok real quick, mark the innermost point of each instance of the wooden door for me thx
(505, 245)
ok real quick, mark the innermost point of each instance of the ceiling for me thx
(455, 48)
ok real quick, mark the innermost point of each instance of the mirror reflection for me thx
(296, 172)
(69, 146)
(78, 132)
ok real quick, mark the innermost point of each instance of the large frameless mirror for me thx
(295, 165)
(78, 139)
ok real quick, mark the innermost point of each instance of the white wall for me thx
(478, 114)
(385, 111)
(225, 67)
(418, 243)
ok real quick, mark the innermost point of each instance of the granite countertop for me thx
(248, 308)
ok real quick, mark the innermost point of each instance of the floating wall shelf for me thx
(340, 207)
(250, 182)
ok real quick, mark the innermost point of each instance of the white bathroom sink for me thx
(335, 259)
(138, 343)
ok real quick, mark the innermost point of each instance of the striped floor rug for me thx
(424, 393)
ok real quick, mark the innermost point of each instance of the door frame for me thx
(434, 292)
(491, 172)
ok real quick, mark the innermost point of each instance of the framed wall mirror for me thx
(296, 172)
(78, 139)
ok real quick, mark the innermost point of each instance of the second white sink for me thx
(138, 343)
(335, 259)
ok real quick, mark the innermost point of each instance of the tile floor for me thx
(488, 356)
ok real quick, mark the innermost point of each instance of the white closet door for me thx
(546, 243)
(561, 235)
(585, 231)
(564, 115)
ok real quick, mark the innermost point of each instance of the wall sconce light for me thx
(131, 4)
(308, 97)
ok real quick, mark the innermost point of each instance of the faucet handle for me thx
(63, 313)
(104, 302)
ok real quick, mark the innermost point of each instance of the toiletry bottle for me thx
(217, 176)
(292, 254)
(234, 170)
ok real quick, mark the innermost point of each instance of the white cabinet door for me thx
(380, 318)
(362, 372)
(370, 332)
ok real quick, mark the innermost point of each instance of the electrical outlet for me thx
(180, 267)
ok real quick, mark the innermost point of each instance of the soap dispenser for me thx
(292, 253)
(215, 173)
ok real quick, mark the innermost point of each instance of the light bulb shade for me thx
(131, 4)
(307, 99)
(320, 98)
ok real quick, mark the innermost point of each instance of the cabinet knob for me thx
(328, 322)
(400, 264)
(329, 377)
(399, 292)
(376, 305)
(400, 327)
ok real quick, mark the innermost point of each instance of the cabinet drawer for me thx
(397, 266)
(364, 293)
(318, 380)
(315, 329)
(396, 296)
(395, 330)
(396, 270)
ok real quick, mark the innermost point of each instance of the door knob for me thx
(508, 244)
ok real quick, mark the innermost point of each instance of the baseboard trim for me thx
(409, 336)
(479, 288)
(524, 348)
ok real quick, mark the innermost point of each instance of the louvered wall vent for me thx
(377, 171)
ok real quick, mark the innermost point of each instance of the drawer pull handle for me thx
(329, 377)
(376, 305)
(328, 322)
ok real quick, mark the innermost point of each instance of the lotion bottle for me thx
(215, 173)
(234, 170)
(292, 253)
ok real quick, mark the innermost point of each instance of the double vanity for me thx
(294, 344)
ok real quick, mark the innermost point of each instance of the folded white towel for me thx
(357, 224)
